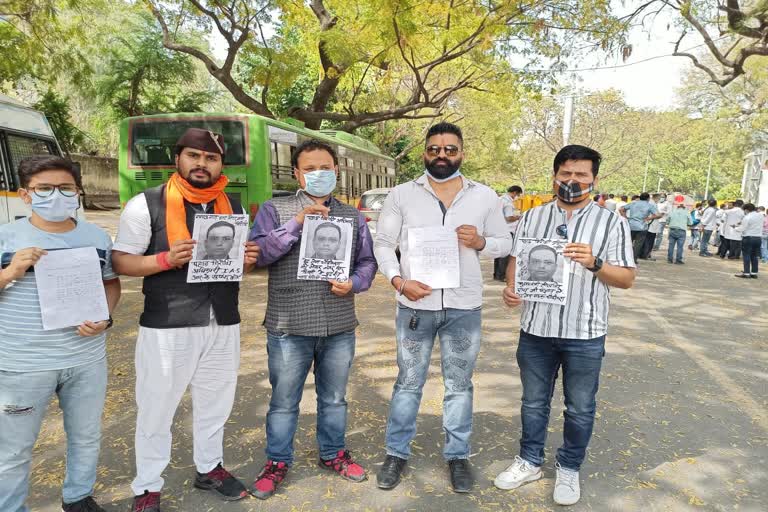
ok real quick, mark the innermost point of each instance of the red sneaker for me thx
(269, 479)
(147, 502)
(345, 467)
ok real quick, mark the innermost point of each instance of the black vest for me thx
(169, 301)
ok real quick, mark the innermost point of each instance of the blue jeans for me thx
(659, 237)
(695, 236)
(676, 242)
(764, 248)
(704, 247)
(459, 332)
(24, 398)
(539, 360)
(289, 358)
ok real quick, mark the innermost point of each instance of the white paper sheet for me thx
(70, 288)
(433, 254)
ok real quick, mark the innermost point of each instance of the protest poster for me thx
(220, 249)
(541, 270)
(326, 248)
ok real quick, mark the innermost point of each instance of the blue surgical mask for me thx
(55, 207)
(320, 183)
(443, 180)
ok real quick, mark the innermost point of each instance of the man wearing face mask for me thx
(441, 197)
(309, 323)
(189, 334)
(572, 336)
(36, 363)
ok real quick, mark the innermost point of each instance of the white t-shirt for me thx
(509, 210)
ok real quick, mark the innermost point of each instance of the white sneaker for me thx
(520, 472)
(567, 490)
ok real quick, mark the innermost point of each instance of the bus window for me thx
(21, 147)
(153, 142)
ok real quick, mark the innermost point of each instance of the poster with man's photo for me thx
(542, 273)
(220, 249)
(326, 248)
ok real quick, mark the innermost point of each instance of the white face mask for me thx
(320, 183)
(55, 207)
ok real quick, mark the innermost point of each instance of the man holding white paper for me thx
(36, 361)
(442, 222)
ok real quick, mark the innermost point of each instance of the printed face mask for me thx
(55, 207)
(572, 191)
(320, 183)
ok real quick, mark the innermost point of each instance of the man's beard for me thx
(439, 171)
(199, 184)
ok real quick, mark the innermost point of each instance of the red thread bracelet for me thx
(162, 260)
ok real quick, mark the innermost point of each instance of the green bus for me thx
(257, 160)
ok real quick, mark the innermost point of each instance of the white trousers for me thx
(167, 361)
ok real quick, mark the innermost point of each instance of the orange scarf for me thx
(177, 190)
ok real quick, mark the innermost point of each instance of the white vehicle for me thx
(23, 132)
(370, 205)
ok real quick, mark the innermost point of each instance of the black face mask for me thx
(441, 172)
(572, 191)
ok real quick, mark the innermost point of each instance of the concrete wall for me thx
(99, 175)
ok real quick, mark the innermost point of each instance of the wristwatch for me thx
(109, 322)
(597, 266)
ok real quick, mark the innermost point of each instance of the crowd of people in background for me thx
(731, 230)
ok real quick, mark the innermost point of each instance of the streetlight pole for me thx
(709, 169)
(647, 163)
(658, 186)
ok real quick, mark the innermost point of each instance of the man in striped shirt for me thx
(35, 363)
(571, 336)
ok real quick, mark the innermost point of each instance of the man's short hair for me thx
(645, 196)
(610, 196)
(515, 189)
(712, 202)
(738, 203)
(443, 127)
(218, 224)
(624, 198)
(312, 145)
(543, 247)
(40, 163)
(749, 207)
(327, 225)
(576, 152)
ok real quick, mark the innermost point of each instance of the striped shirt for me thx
(24, 345)
(585, 314)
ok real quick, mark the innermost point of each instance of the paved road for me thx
(682, 414)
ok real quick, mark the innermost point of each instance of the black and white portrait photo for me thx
(540, 274)
(326, 248)
(220, 248)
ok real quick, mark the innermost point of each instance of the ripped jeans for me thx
(459, 332)
(24, 398)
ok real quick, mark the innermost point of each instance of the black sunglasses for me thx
(562, 230)
(450, 150)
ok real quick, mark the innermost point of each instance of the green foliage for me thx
(141, 77)
(57, 110)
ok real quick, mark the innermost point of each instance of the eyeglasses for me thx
(46, 190)
(562, 230)
(449, 150)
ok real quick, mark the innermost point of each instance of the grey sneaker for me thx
(519, 472)
(567, 489)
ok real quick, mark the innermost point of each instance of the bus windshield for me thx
(153, 141)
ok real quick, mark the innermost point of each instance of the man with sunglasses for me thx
(36, 363)
(572, 336)
(440, 197)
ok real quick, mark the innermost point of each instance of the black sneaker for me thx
(742, 275)
(85, 505)
(221, 482)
